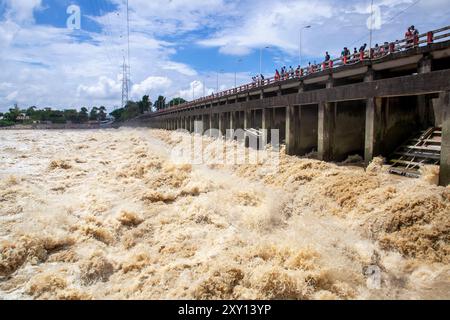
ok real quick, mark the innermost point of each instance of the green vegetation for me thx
(176, 101)
(47, 115)
(131, 110)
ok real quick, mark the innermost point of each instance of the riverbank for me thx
(72, 126)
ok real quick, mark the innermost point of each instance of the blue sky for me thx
(177, 46)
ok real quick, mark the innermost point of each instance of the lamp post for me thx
(193, 90)
(204, 86)
(219, 71)
(235, 74)
(300, 46)
(260, 58)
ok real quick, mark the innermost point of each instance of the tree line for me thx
(135, 108)
(131, 110)
(33, 115)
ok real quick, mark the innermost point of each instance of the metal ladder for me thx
(416, 152)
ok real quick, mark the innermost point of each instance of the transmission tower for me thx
(125, 82)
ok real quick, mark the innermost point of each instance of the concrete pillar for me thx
(231, 124)
(330, 82)
(222, 127)
(369, 76)
(301, 87)
(444, 177)
(326, 127)
(247, 119)
(422, 102)
(206, 119)
(374, 129)
(290, 130)
(425, 65)
(265, 126)
(232, 120)
(211, 123)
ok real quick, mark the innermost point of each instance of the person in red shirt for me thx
(409, 36)
(277, 75)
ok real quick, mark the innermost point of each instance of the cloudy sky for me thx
(179, 47)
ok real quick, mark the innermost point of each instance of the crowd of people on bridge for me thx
(258, 79)
(347, 57)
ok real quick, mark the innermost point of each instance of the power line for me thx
(108, 30)
(104, 32)
(390, 19)
(404, 10)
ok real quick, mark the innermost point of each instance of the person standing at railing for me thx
(409, 36)
(376, 51)
(415, 36)
(291, 72)
(277, 75)
(362, 51)
(297, 72)
(327, 60)
(363, 48)
(345, 55)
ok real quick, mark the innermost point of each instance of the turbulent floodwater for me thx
(106, 214)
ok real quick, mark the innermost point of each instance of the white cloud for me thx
(196, 90)
(12, 96)
(179, 67)
(150, 85)
(106, 88)
(269, 23)
(21, 10)
(48, 66)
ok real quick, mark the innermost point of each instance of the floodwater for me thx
(107, 214)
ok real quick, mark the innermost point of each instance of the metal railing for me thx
(371, 54)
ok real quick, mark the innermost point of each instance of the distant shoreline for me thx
(72, 126)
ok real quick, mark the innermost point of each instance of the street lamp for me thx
(235, 74)
(194, 84)
(204, 87)
(219, 71)
(260, 59)
(300, 50)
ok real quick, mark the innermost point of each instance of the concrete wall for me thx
(348, 137)
(401, 121)
(301, 129)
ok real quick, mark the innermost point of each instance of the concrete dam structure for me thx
(368, 104)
